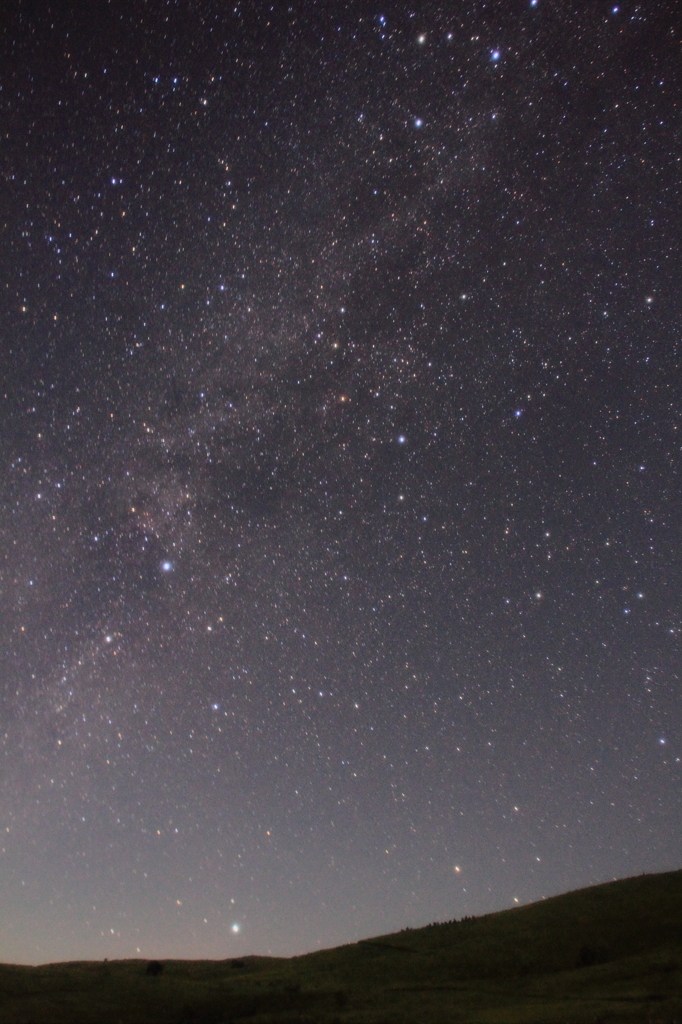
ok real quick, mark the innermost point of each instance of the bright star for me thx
(167, 566)
(236, 928)
(495, 55)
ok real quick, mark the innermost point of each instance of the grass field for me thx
(611, 953)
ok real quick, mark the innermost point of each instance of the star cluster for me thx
(340, 434)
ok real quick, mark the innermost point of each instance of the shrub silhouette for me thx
(341, 999)
(154, 968)
(591, 955)
(587, 956)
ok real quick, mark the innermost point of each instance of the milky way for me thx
(340, 440)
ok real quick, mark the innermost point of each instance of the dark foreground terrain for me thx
(612, 953)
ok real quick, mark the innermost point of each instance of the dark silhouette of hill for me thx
(610, 953)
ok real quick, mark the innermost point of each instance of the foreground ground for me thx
(612, 953)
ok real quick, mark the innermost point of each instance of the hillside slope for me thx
(612, 953)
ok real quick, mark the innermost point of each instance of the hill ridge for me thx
(607, 952)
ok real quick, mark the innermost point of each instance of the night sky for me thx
(341, 437)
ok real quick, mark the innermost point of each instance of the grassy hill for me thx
(611, 953)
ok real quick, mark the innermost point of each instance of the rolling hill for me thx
(610, 953)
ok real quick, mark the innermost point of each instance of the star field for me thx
(340, 428)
